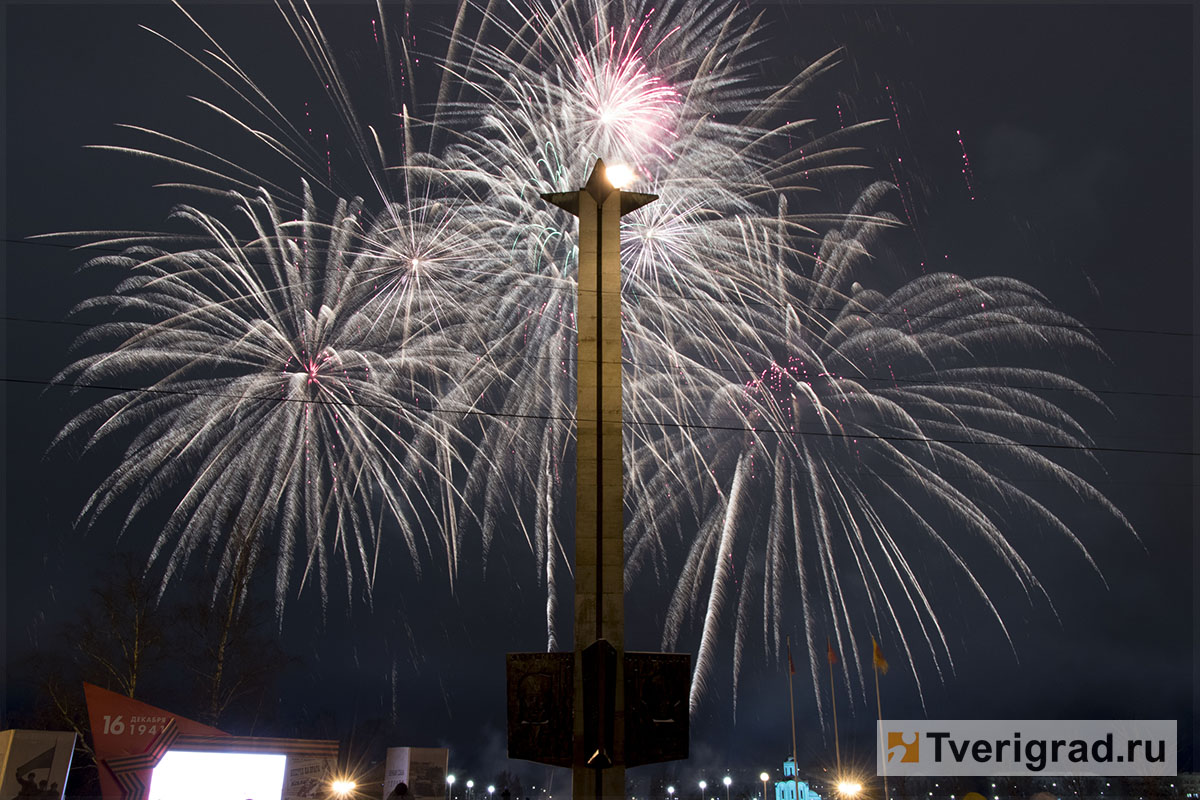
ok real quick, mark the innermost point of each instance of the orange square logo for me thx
(907, 746)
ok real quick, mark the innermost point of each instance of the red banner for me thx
(122, 726)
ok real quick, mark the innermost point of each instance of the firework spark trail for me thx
(968, 176)
(754, 356)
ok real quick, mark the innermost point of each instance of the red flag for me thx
(832, 656)
(880, 662)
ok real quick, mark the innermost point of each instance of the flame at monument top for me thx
(619, 175)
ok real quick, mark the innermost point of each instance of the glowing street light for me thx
(449, 787)
(471, 789)
(727, 780)
(671, 792)
(764, 777)
(343, 787)
(703, 786)
(848, 788)
(491, 791)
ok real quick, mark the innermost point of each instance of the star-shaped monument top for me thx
(599, 185)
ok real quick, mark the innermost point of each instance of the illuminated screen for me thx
(182, 775)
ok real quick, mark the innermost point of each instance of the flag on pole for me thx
(43, 761)
(791, 666)
(832, 656)
(880, 662)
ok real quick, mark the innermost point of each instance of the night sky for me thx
(1077, 125)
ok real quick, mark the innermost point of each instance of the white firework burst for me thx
(781, 417)
(268, 378)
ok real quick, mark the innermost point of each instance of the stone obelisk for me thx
(571, 709)
(599, 736)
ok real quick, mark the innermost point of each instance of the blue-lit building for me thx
(792, 789)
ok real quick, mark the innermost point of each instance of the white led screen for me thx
(183, 775)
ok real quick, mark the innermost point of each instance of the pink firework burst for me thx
(633, 109)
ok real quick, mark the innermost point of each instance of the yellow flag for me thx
(880, 662)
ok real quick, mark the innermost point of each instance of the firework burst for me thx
(288, 399)
(872, 428)
(781, 417)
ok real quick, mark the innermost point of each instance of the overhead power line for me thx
(748, 375)
(641, 423)
(745, 301)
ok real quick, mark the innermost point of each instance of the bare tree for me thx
(117, 643)
(122, 636)
(225, 643)
(509, 781)
(130, 640)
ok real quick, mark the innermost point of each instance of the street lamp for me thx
(703, 786)
(671, 792)
(449, 787)
(764, 777)
(849, 789)
(491, 791)
(727, 780)
(342, 787)
(471, 789)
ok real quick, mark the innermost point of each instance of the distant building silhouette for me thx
(791, 788)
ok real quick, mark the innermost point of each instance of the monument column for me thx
(599, 732)
(598, 735)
